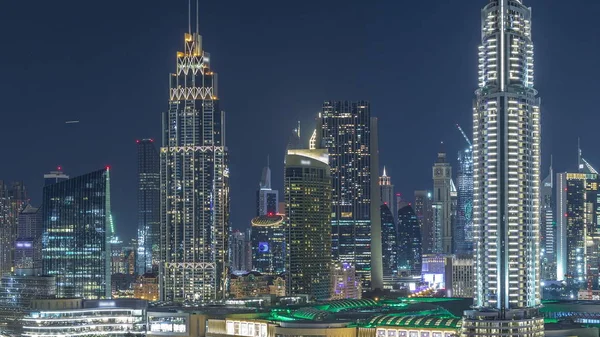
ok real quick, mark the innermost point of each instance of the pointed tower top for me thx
(442, 153)
(384, 174)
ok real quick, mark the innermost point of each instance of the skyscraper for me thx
(424, 211)
(13, 198)
(463, 229)
(148, 206)
(386, 190)
(506, 178)
(442, 205)
(268, 244)
(348, 132)
(194, 182)
(548, 228)
(308, 220)
(77, 228)
(239, 242)
(267, 199)
(410, 248)
(389, 246)
(28, 245)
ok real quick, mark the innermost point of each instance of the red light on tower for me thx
(59, 168)
(137, 141)
(107, 167)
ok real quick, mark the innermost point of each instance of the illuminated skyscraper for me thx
(28, 246)
(308, 221)
(389, 246)
(348, 132)
(13, 199)
(77, 227)
(506, 178)
(148, 206)
(463, 229)
(387, 192)
(268, 244)
(548, 228)
(442, 205)
(194, 182)
(267, 199)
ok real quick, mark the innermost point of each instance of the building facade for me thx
(442, 205)
(268, 244)
(148, 238)
(345, 129)
(240, 250)
(77, 227)
(423, 209)
(389, 245)
(194, 183)
(506, 179)
(267, 199)
(548, 228)
(13, 199)
(410, 244)
(308, 218)
(28, 246)
(344, 283)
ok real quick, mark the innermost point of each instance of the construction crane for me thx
(464, 135)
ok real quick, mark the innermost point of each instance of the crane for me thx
(464, 135)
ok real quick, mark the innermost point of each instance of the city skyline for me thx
(117, 148)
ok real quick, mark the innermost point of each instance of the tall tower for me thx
(348, 132)
(148, 206)
(548, 229)
(424, 212)
(463, 229)
(308, 219)
(506, 166)
(267, 199)
(13, 199)
(386, 190)
(77, 228)
(194, 182)
(410, 248)
(442, 205)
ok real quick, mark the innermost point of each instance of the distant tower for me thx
(548, 228)
(77, 223)
(463, 228)
(195, 199)
(442, 205)
(387, 192)
(267, 199)
(410, 245)
(389, 247)
(148, 196)
(268, 244)
(239, 252)
(13, 199)
(28, 246)
(308, 217)
(424, 211)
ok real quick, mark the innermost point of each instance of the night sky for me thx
(106, 63)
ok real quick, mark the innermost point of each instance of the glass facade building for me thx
(194, 170)
(28, 246)
(423, 209)
(77, 228)
(344, 129)
(410, 245)
(308, 219)
(268, 244)
(13, 199)
(389, 237)
(148, 196)
(506, 178)
(463, 229)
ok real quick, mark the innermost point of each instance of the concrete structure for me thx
(506, 180)
(442, 205)
(307, 182)
(194, 182)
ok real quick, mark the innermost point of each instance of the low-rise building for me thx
(146, 287)
(344, 283)
(76, 317)
(255, 284)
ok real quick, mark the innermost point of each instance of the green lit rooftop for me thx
(440, 322)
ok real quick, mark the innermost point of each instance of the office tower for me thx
(389, 247)
(577, 200)
(239, 243)
(194, 182)
(77, 228)
(459, 280)
(308, 218)
(442, 205)
(344, 283)
(13, 198)
(28, 245)
(148, 195)
(424, 211)
(463, 229)
(348, 132)
(268, 244)
(506, 178)
(267, 199)
(548, 228)
(386, 192)
(410, 245)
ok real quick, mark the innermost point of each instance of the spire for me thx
(190, 17)
(384, 174)
(579, 159)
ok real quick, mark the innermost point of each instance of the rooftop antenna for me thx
(197, 18)
(190, 16)
(298, 129)
(579, 162)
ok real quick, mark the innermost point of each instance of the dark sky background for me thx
(106, 63)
